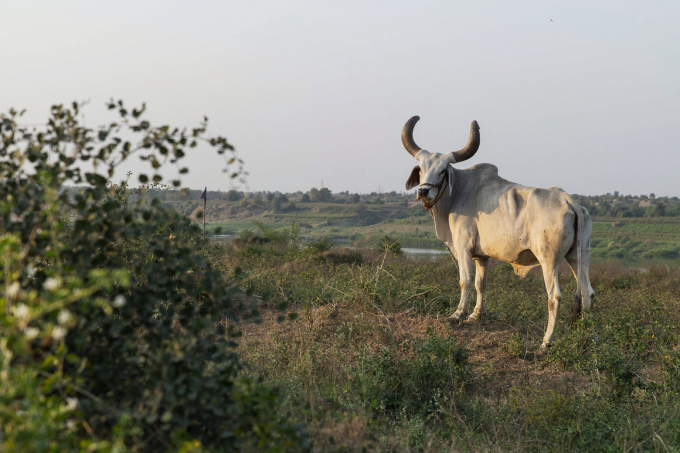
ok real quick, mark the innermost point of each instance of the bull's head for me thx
(433, 172)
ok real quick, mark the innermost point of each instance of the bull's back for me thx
(527, 224)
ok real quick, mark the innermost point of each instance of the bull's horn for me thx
(471, 147)
(407, 136)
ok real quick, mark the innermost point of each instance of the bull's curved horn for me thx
(471, 147)
(407, 136)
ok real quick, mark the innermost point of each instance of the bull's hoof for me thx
(455, 321)
(544, 348)
(473, 318)
(458, 316)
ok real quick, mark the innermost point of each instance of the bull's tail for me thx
(586, 288)
(584, 292)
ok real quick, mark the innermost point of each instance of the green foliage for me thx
(277, 203)
(517, 345)
(114, 316)
(344, 257)
(323, 195)
(411, 378)
(233, 195)
(281, 236)
(354, 374)
(389, 246)
(319, 246)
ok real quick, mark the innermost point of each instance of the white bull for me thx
(480, 215)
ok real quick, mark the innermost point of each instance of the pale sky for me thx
(578, 94)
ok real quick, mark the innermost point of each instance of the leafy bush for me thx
(233, 195)
(389, 246)
(344, 257)
(115, 324)
(319, 246)
(411, 378)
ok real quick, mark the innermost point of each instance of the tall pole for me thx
(204, 197)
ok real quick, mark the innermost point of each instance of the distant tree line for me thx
(626, 206)
(608, 205)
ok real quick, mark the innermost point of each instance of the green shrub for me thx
(389, 245)
(319, 246)
(114, 318)
(412, 377)
(516, 345)
(345, 257)
(670, 363)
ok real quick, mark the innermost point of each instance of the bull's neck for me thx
(443, 206)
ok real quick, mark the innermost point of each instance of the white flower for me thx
(30, 270)
(13, 289)
(21, 311)
(119, 301)
(71, 403)
(52, 283)
(58, 333)
(64, 317)
(32, 332)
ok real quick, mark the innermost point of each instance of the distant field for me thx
(646, 237)
(642, 237)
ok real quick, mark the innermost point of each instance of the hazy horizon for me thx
(581, 96)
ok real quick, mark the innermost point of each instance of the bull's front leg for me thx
(465, 269)
(480, 286)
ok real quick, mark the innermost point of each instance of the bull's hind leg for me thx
(480, 286)
(578, 301)
(584, 295)
(585, 259)
(465, 268)
(552, 286)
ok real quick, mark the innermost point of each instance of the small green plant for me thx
(516, 345)
(319, 246)
(412, 377)
(389, 246)
(344, 257)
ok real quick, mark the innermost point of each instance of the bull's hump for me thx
(485, 168)
(487, 176)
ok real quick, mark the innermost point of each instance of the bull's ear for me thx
(414, 179)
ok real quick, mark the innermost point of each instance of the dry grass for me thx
(516, 399)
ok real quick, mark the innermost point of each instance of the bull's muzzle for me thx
(423, 192)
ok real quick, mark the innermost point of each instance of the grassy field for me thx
(368, 361)
(645, 237)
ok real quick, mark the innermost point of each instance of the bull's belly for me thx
(525, 252)
(519, 256)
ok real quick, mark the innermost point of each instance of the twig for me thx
(662, 442)
(423, 293)
(377, 271)
(78, 389)
(543, 441)
(432, 300)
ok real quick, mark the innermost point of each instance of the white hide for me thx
(482, 216)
